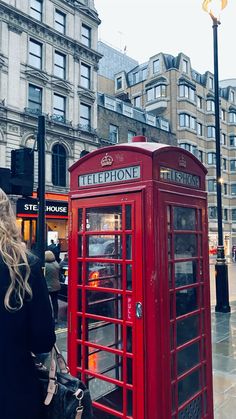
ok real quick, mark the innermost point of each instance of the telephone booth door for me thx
(184, 224)
(106, 325)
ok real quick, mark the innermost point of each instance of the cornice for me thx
(83, 8)
(39, 75)
(62, 84)
(86, 94)
(19, 22)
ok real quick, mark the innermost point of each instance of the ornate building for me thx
(168, 87)
(48, 65)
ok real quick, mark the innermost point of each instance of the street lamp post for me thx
(213, 7)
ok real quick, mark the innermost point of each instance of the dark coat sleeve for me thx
(41, 332)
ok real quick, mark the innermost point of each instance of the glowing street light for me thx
(213, 8)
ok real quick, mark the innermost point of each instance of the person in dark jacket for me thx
(25, 319)
(52, 276)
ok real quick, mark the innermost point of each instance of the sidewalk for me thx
(223, 351)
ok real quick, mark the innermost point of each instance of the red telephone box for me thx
(139, 300)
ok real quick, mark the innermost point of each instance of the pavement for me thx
(223, 347)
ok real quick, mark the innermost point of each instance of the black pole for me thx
(41, 189)
(221, 268)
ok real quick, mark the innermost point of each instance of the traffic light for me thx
(5, 180)
(22, 171)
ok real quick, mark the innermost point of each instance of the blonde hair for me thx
(49, 256)
(14, 256)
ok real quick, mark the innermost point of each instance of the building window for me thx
(211, 132)
(212, 212)
(200, 155)
(59, 65)
(131, 134)
(211, 158)
(233, 165)
(189, 147)
(35, 54)
(160, 91)
(186, 91)
(86, 35)
(232, 117)
(232, 140)
(233, 189)
(35, 99)
(225, 187)
(136, 77)
(58, 165)
(199, 129)
(156, 66)
(223, 114)
(232, 96)
(137, 101)
(113, 133)
(187, 121)
(85, 116)
(199, 102)
(119, 83)
(223, 138)
(150, 95)
(185, 66)
(60, 21)
(144, 74)
(211, 185)
(225, 214)
(85, 76)
(210, 106)
(211, 83)
(224, 164)
(234, 214)
(36, 7)
(59, 108)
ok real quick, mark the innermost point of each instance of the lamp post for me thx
(213, 7)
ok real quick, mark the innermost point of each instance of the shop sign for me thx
(175, 176)
(30, 206)
(109, 176)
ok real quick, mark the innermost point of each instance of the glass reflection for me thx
(186, 301)
(108, 246)
(185, 245)
(104, 304)
(128, 219)
(185, 273)
(104, 274)
(188, 357)
(187, 329)
(104, 218)
(184, 218)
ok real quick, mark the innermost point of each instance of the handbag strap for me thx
(52, 379)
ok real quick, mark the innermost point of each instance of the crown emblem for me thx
(182, 161)
(106, 160)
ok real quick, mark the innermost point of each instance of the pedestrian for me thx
(52, 275)
(25, 318)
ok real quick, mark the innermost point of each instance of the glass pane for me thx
(106, 363)
(186, 301)
(192, 410)
(103, 219)
(128, 246)
(187, 329)
(185, 245)
(129, 339)
(128, 220)
(129, 277)
(168, 217)
(79, 273)
(106, 393)
(79, 328)
(169, 246)
(170, 275)
(188, 357)
(104, 275)
(130, 403)
(104, 333)
(104, 304)
(188, 386)
(100, 246)
(80, 246)
(129, 371)
(184, 218)
(185, 273)
(80, 219)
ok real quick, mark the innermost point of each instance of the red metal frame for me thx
(151, 195)
(128, 297)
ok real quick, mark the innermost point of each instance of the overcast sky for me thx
(146, 27)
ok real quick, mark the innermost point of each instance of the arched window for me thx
(58, 165)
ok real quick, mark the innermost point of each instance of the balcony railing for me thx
(33, 112)
(87, 128)
(60, 119)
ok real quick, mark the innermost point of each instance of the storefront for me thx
(56, 213)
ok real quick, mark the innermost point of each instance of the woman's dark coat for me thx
(27, 330)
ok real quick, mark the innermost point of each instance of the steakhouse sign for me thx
(30, 206)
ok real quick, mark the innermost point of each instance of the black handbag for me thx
(63, 396)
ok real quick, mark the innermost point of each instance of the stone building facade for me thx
(168, 87)
(48, 65)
